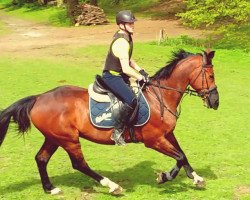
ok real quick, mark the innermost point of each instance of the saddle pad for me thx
(101, 114)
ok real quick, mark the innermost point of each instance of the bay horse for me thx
(62, 116)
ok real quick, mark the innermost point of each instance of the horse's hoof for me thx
(116, 191)
(56, 191)
(161, 178)
(200, 184)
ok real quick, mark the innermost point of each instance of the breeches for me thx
(120, 89)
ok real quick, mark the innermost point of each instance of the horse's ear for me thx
(204, 55)
(208, 56)
(211, 55)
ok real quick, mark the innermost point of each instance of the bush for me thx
(225, 39)
(234, 37)
(210, 12)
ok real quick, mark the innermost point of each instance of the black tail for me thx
(19, 111)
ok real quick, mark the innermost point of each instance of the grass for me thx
(44, 14)
(215, 142)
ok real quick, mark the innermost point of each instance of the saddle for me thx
(100, 87)
(104, 105)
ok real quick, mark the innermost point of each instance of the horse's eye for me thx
(211, 76)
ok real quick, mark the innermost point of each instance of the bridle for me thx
(203, 93)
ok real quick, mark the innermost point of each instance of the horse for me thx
(62, 116)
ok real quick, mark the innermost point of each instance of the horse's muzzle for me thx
(212, 99)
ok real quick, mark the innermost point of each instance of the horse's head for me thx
(203, 81)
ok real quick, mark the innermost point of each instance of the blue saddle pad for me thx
(101, 113)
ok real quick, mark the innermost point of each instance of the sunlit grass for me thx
(44, 14)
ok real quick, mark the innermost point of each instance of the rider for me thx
(119, 66)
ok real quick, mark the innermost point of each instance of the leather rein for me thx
(160, 98)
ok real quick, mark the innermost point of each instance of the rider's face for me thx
(129, 27)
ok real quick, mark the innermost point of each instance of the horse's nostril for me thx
(216, 104)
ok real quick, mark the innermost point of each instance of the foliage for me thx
(134, 166)
(227, 38)
(209, 12)
(233, 37)
(182, 40)
(59, 18)
(29, 10)
(112, 6)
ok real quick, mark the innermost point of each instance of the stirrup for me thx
(117, 138)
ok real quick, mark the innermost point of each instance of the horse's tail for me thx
(19, 112)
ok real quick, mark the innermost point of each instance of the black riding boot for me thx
(119, 126)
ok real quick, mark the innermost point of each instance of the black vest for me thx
(113, 62)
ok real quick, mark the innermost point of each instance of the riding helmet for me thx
(125, 16)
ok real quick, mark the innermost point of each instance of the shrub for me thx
(210, 12)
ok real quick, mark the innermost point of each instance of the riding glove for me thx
(146, 78)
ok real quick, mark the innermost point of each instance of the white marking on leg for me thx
(198, 180)
(55, 191)
(113, 187)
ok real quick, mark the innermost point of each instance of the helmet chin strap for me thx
(126, 30)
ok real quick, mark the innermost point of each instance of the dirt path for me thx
(30, 37)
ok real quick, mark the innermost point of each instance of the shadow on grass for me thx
(140, 174)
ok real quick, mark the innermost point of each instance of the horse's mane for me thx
(166, 71)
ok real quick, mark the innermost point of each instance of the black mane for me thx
(165, 71)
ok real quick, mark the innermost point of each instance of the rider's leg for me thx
(121, 90)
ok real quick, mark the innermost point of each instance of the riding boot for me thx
(120, 122)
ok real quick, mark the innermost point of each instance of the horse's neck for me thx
(177, 82)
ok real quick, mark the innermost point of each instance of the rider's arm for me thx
(134, 65)
(120, 49)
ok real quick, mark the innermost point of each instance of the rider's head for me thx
(125, 20)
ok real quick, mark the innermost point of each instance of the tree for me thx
(93, 2)
(209, 12)
(72, 8)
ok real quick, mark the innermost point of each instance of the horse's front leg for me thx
(168, 145)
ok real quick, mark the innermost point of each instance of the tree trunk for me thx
(71, 9)
(93, 2)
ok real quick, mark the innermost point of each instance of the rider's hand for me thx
(143, 73)
(144, 81)
(145, 76)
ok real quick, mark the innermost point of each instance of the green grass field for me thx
(215, 142)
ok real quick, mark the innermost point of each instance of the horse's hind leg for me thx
(42, 158)
(78, 162)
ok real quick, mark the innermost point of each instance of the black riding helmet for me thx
(125, 16)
